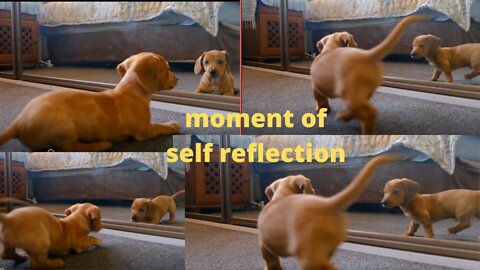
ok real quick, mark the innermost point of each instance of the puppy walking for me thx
(40, 234)
(76, 120)
(152, 211)
(447, 59)
(353, 75)
(310, 227)
(426, 209)
(218, 78)
(335, 40)
(293, 184)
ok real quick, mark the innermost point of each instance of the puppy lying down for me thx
(76, 120)
(310, 227)
(152, 210)
(40, 234)
(426, 209)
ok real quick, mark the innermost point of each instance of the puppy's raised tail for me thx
(8, 134)
(174, 196)
(378, 52)
(342, 200)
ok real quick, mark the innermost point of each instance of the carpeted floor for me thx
(14, 97)
(209, 247)
(120, 253)
(268, 93)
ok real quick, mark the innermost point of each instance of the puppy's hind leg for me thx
(322, 101)
(171, 211)
(366, 113)
(463, 223)
(475, 72)
(272, 262)
(10, 254)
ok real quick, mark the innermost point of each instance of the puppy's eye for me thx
(141, 210)
(421, 45)
(395, 191)
(220, 62)
(205, 62)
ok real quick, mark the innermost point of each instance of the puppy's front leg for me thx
(427, 225)
(156, 129)
(230, 92)
(86, 242)
(435, 75)
(272, 262)
(412, 228)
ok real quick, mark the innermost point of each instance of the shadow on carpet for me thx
(120, 253)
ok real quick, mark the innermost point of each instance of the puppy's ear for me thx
(321, 44)
(226, 56)
(434, 41)
(304, 185)
(410, 188)
(147, 73)
(121, 69)
(199, 64)
(95, 219)
(269, 192)
(71, 209)
(350, 41)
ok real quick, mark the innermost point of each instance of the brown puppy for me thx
(40, 234)
(293, 184)
(75, 120)
(152, 211)
(426, 209)
(310, 227)
(217, 78)
(353, 75)
(335, 40)
(447, 59)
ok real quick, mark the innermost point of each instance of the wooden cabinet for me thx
(263, 42)
(203, 183)
(19, 185)
(29, 39)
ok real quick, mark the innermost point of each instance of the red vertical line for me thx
(241, 55)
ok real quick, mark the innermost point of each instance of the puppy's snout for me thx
(384, 203)
(213, 72)
(134, 218)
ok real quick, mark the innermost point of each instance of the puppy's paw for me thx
(173, 126)
(407, 233)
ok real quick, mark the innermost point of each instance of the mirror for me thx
(453, 166)
(6, 36)
(310, 21)
(55, 181)
(86, 41)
